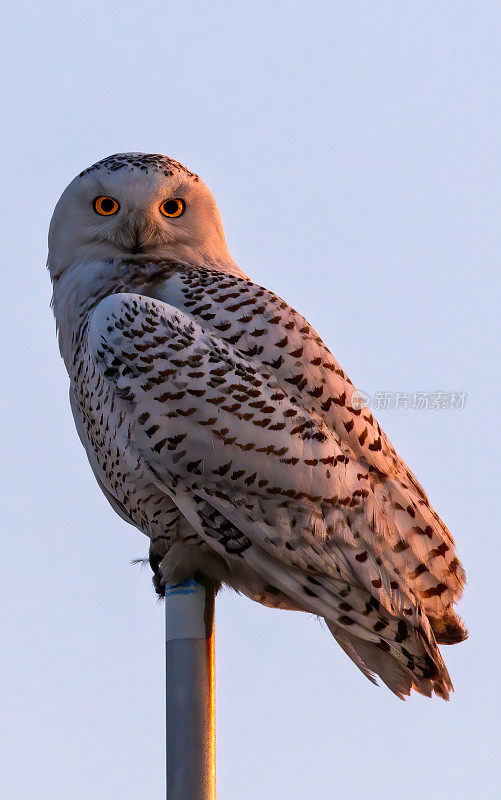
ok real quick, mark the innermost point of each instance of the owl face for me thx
(135, 206)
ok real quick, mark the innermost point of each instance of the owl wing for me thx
(269, 485)
(266, 330)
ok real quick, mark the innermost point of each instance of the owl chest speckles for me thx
(104, 425)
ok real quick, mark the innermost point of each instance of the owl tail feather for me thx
(371, 661)
(449, 628)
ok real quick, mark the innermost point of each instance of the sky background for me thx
(353, 149)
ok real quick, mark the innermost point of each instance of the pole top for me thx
(185, 606)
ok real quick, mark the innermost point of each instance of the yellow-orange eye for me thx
(172, 208)
(106, 206)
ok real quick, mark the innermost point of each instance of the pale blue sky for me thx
(353, 148)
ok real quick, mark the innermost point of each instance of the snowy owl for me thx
(217, 422)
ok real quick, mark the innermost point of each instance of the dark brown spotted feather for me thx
(221, 426)
(264, 328)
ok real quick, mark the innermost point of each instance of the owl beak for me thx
(138, 244)
(137, 233)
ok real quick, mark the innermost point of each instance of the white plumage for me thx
(217, 422)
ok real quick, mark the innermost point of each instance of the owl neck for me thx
(78, 290)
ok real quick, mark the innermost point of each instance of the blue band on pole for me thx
(185, 611)
(185, 587)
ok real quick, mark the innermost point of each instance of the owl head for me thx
(136, 206)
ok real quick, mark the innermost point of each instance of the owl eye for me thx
(172, 208)
(106, 206)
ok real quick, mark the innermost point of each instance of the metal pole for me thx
(191, 731)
